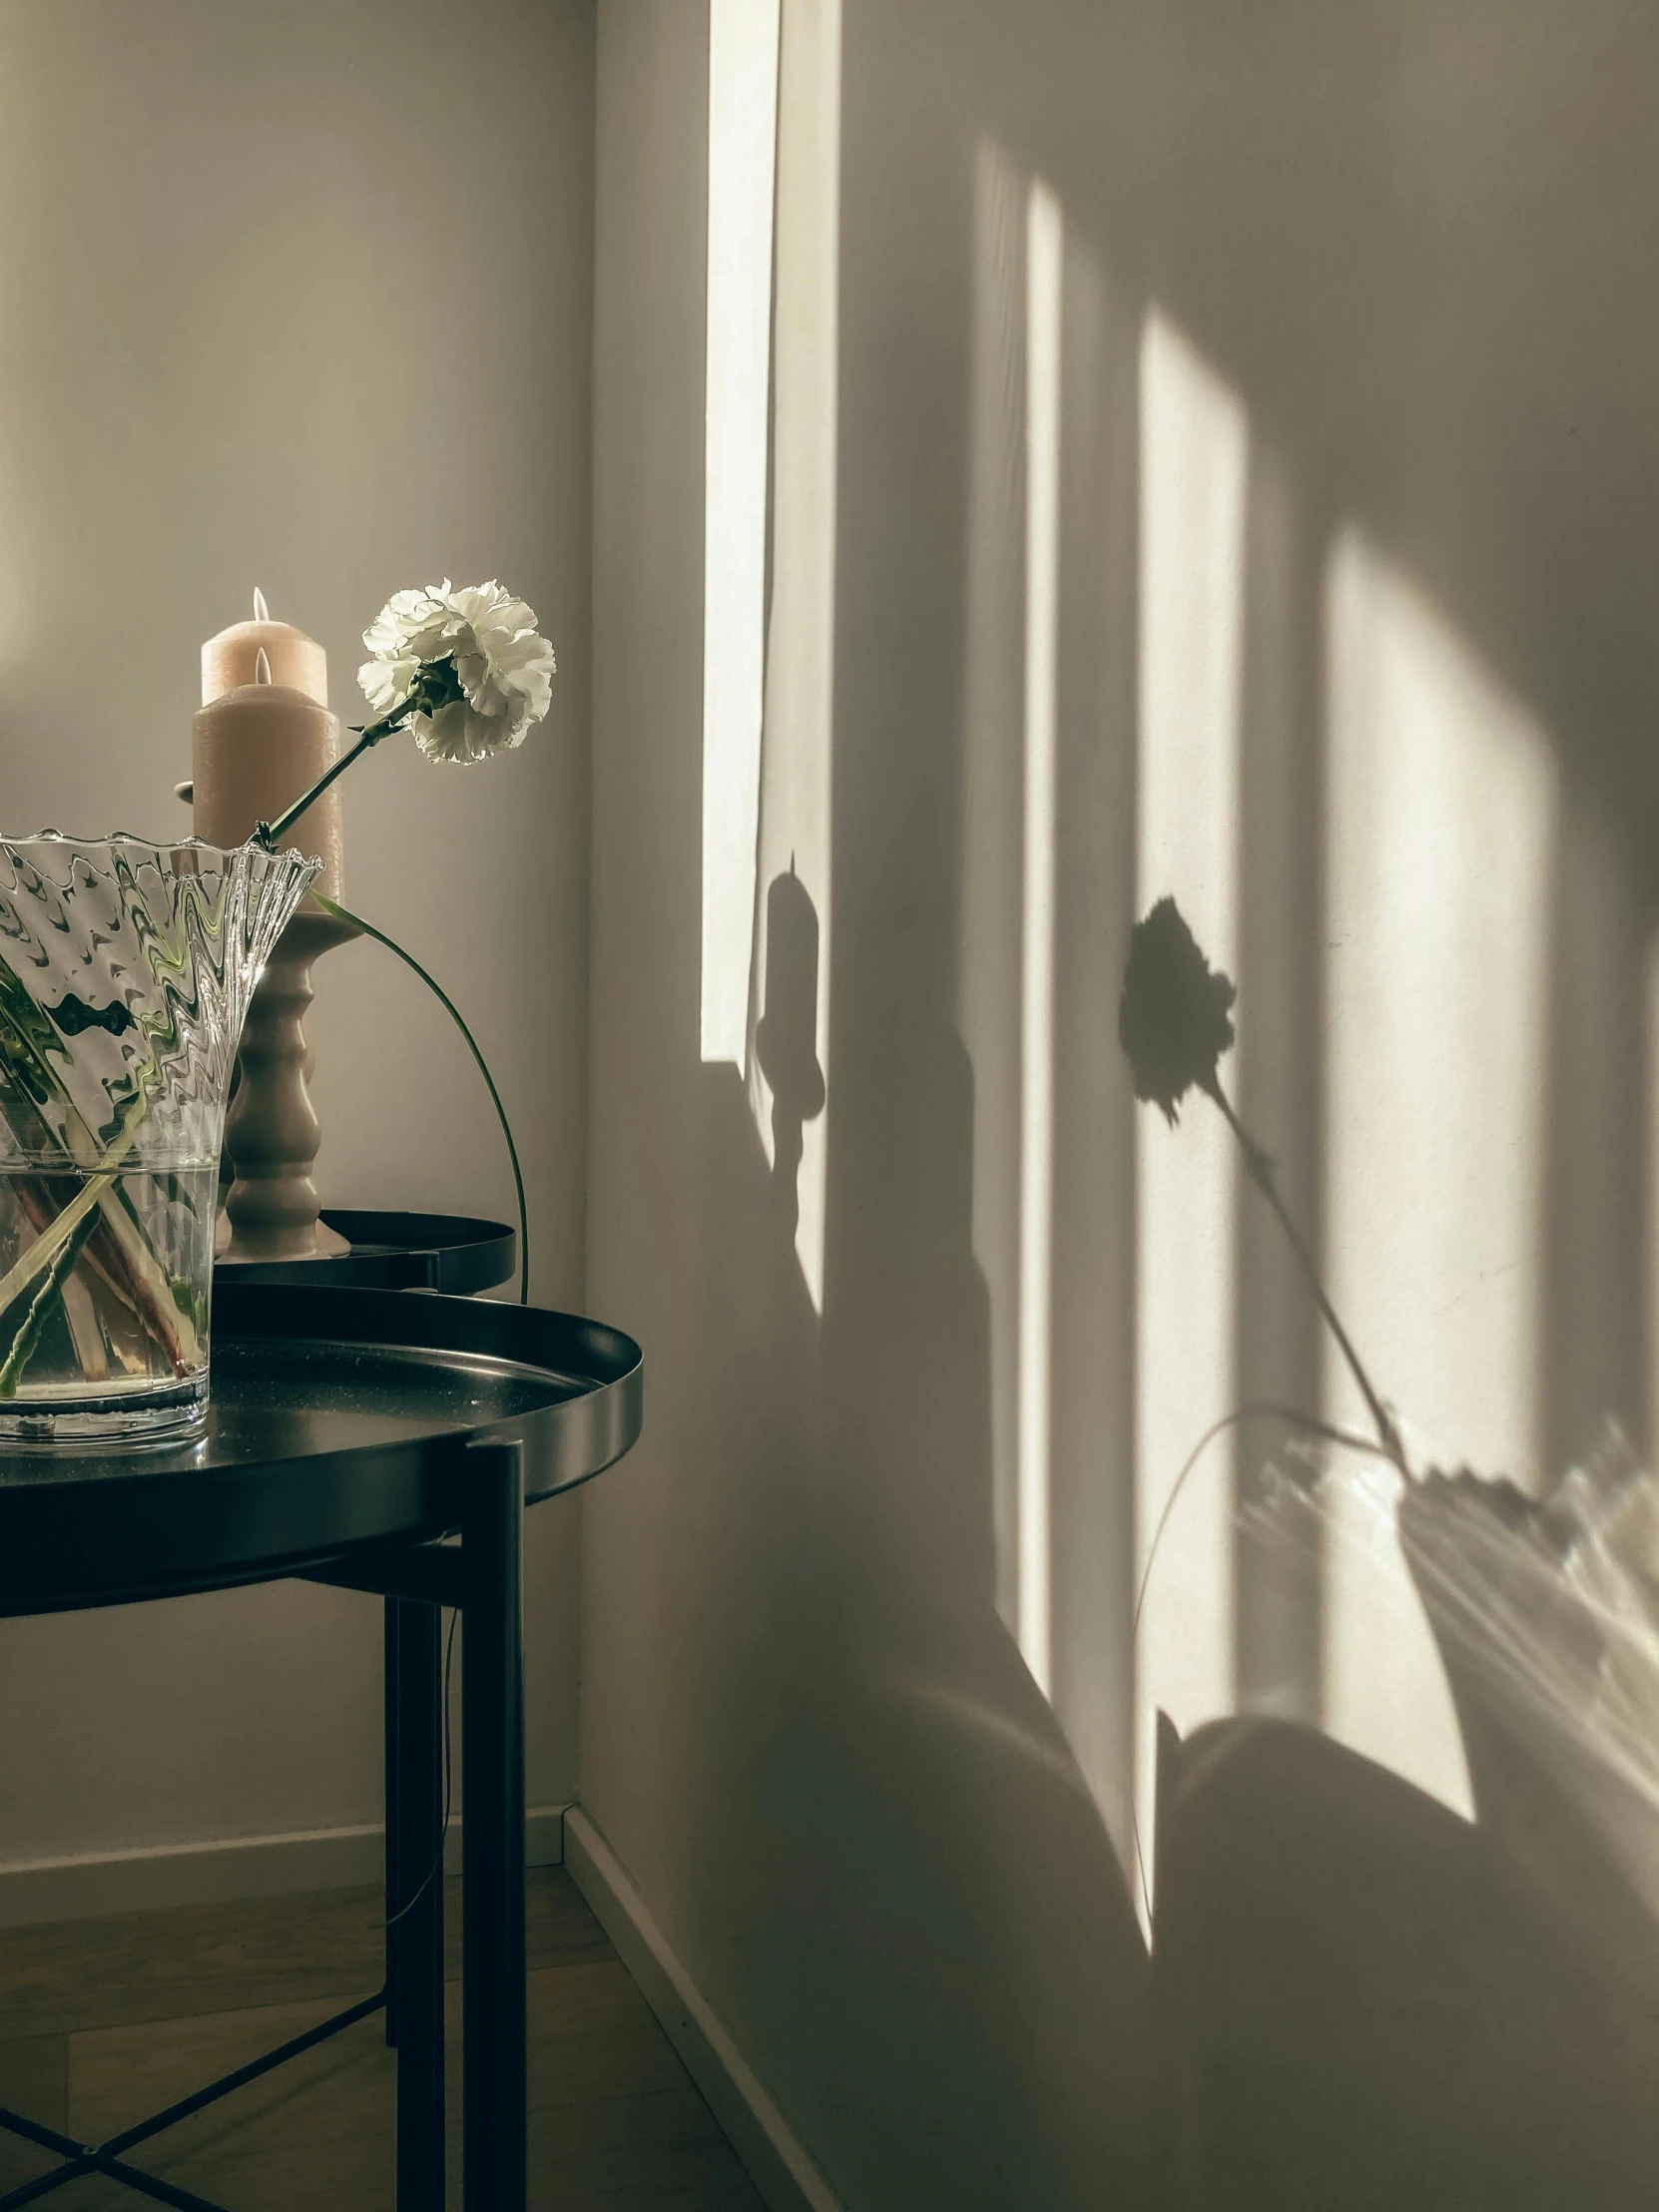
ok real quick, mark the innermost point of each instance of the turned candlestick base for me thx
(273, 1133)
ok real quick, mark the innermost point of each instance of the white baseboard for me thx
(85, 1886)
(777, 2162)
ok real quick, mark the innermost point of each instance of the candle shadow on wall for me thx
(976, 1870)
(929, 1870)
(916, 1781)
(786, 1036)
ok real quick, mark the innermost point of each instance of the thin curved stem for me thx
(1332, 1433)
(434, 687)
(1260, 1170)
(345, 913)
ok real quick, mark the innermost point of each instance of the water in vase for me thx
(126, 968)
(114, 1327)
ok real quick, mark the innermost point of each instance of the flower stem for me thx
(267, 832)
(344, 913)
(27, 1340)
(1260, 1170)
(85, 1202)
(434, 687)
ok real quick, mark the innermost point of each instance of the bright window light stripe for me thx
(1044, 237)
(1441, 830)
(799, 674)
(1194, 455)
(743, 108)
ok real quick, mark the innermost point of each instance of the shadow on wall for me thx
(889, 1748)
(1412, 541)
(1410, 251)
(1415, 246)
(786, 1036)
(1378, 277)
(1392, 691)
(1363, 2001)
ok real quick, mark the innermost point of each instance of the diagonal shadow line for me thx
(80, 2159)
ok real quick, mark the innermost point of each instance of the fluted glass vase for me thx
(126, 968)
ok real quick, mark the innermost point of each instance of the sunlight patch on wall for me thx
(789, 1060)
(1043, 236)
(988, 970)
(21, 584)
(1648, 1443)
(1194, 455)
(743, 105)
(1441, 806)
(1006, 974)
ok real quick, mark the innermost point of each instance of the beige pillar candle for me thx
(256, 748)
(296, 660)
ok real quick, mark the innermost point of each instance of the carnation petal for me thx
(503, 666)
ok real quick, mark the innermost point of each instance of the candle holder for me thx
(258, 742)
(272, 1133)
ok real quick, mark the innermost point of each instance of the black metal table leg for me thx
(415, 1947)
(384, 1470)
(394, 1890)
(496, 2029)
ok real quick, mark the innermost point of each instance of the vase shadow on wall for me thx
(1365, 2002)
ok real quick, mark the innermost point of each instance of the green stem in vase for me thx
(27, 1340)
(120, 1248)
(86, 1205)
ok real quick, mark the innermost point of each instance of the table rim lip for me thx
(474, 1230)
(161, 1464)
(469, 1250)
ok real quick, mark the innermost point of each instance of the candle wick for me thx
(261, 613)
(262, 667)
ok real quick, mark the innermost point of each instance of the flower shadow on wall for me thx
(1189, 672)
(1430, 1935)
(1170, 651)
(1363, 820)
(1173, 1022)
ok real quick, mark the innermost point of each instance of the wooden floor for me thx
(104, 2021)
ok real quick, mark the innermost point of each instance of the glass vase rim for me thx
(70, 840)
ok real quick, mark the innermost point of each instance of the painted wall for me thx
(1242, 483)
(300, 298)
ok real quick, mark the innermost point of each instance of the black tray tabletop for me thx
(395, 1251)
(339, 1418)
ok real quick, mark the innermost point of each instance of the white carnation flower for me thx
(471, 658)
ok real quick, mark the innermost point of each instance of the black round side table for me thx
(349, 1432)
